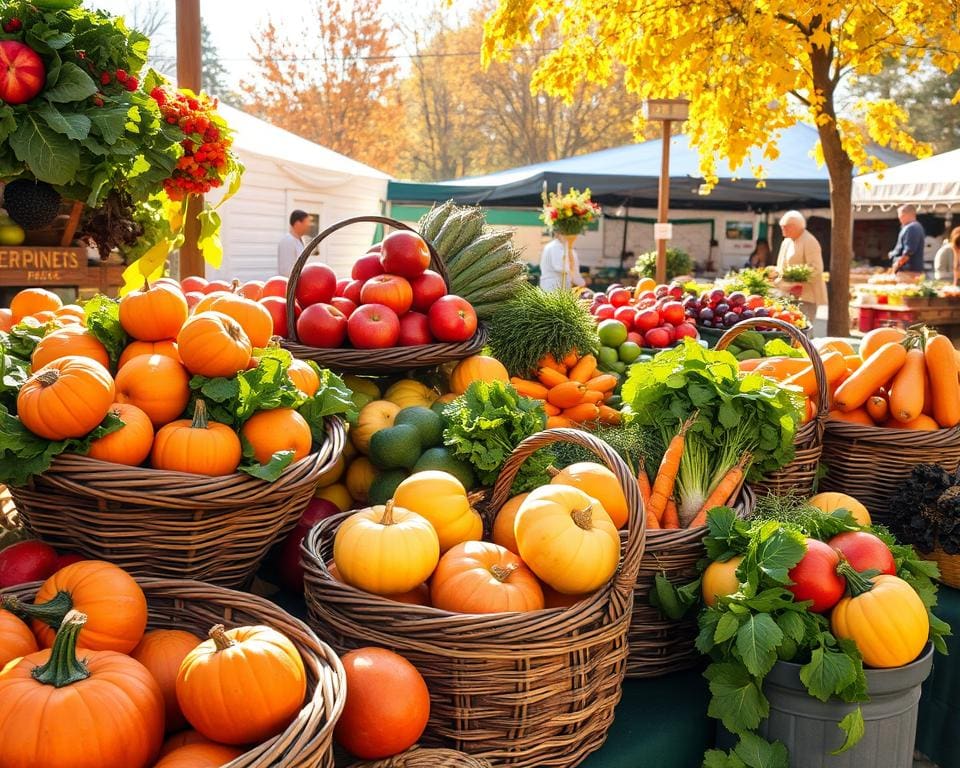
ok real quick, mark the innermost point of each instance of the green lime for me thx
(385, 485)
(629, 351)
(395, 447)
(612, 333)
(607, 356)
(619, 367)
(428, 424)
(441, 459)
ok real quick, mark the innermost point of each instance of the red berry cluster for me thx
(12, 25)
(127, 81)
(205, 147)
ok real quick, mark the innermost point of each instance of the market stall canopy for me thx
(928, 183)
(631, 172)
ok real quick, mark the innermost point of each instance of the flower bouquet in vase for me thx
(568, 214)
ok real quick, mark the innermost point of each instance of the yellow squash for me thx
(441, 499)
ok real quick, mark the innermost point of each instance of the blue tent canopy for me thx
(630, 174)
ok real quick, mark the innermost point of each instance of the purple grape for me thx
(730, 318)
(761, 312)
(706, 314)
(691, 313)
(747, 314)
(736, 299)
(691, 303)
(722, 308)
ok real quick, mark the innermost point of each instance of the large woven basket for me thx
(869, 462)
(949, 566)
(373, 360)
(422, 757)
(800, 475)
(190, 605)
(171, 524)
(660, 645)
(518, 689)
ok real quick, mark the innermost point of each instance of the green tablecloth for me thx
(940, 701)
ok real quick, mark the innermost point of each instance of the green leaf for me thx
(102, 318)
(73, 125)
(269, 471)
(331, 399)
(715, 758)
(737, 699)
(110, 122)
(73, 85)
(757, 752)
(757, 641)
(726, 628)
(791, 625)
(665, 598)
(828, 672)
(853, 728)
(8, 122)
(779, 553)
(49, 155)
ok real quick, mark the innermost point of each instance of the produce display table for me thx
(940, 313)
(940, 701)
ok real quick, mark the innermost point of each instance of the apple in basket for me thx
(317, 285)
(404, 253)
(452, 319)
(414, 329)
(365, 267)
(373, 326)
(322, 325)
(427, 288)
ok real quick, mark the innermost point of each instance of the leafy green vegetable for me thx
(102, 318)
(780, 348)
(24, 337)
(333, 398)
(13, 372)
(486, 423)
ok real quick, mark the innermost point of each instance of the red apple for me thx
(427, 288)
(352, 291)
(658, 338)
(404, 253)
(414, 330)
(193, 283)
(288, 554)
(343, 304)
(626, 315)
(373, 326)
(275, 286)
(193, 298)
(452, 319)
(390, 290)
(367, 266)
(217, 285)
(317, 284)
(604, 312)
(23, 74)
(673, 312)
(686, 331)
(647, 320)
(375, 248)
(277, 307)
(322, 325)
(342, 284)
(636, 338)
(252, 289)
(619, 297)
(29, 560)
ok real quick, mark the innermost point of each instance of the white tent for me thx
(928, 183)
(285, 172)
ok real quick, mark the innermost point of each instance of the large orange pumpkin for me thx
(162, 651)
(213, 344)
(165, 347)
(131, 443)
(29, 301)
(279, 429)
(503, 524)
(181, 739)
(304, 377)
(477, 368)
(197, 445)
(254, 318)
(157, 384)
(479, 577)
(71, 340)
(57, 711)
(16, 639)
(598, 482)
(154, 312)
(242, 685)
(199, 755)
(66, 398)
(6, 319)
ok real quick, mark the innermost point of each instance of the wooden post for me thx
(189, 75)
(663, 211)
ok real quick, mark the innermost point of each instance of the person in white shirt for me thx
(291, 244)
(551, 266)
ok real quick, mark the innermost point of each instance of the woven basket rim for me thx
(919, 438)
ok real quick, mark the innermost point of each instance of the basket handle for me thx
(436, 263)
(798, 339)
(626, 578)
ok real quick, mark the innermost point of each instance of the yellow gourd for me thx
(477, 368)
(442, 500)
(372, 418)
(828, 502)
(408, 392)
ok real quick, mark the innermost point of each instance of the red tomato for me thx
(815, 577)
(23, 72)
(864, 551)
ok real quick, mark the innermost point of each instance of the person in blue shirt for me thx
(908, 253)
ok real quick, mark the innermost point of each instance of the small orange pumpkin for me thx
(262, 670)
(279, 429)
(162, 651)
(154, 312)
(69, 397)
(131, 443)
(479, 577)
(30, 301)
(199, 755)
(254, 318)
(158, 385)
(197, 445)
(304, 377)
(70, 310)
(598, 482)
(503, 524)
(477, 368)
(213, 344)
(181, 739)
(165, 347)
(6, 319)
(16, 639)
(71, 340)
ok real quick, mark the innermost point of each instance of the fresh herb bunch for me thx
(678, 263)
(486, 423)
(925, 509)
(536, 323)
(749, 281)
(630, 441)
(798, 273)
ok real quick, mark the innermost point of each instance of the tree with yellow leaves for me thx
(750, 68)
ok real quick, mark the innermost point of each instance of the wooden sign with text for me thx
(46, 264)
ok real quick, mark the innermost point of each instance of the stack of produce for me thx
(652, 318)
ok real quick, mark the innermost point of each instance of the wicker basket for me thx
(868, 462)
(421, 757)
(518, 689)
(373, 360)
(800, 475)
(659, 645)
(190, 605)
(949, 566)
(171, 524)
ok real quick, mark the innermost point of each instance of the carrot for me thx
(584, 370)
(875, 372)
(671, 517)
(567, 394)
(549, 361)
(559, 421)
(781, 368)
(927, 395)
(722, 493)
(856, 416)
(609, 415)
(810, 411)
(944, 383)
(643, 481)
(652, 523)
(837, 345)
(922, 422)
(571, 358)
(807, 380)
(906, 392)
(853, 362)
(529, 388)
(550, 409)
(873, 340)
(550, 377)
(878, 408)
(592, 396)
(667, 473)
(582, 412)
(605, 382)
(751, 365)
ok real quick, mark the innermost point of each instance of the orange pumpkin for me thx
(197, 445)
(72, 340)
(45, 316)
(477, 368)
(162, 651)
(181, 739)
(479, 577)
(242, 685)
(66, 398)
(158, 385)
(199, 755)
(16, 639)
(279, 429)
(58, 711)
(254, 318)
(503, 524)
(165, 347)
(304, 377)
(213, 344)
(113, 602)
(154, 312)
(131, 443)
(6, 319)
(598, 482)
(30, 301)
(70, 310)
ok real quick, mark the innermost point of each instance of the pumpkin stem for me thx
(552, 471)
(858, 583)
(199, 415)
(219, 636)
(12, 604)
(387, 518)
(52, 613)
(503, 572)
(48, 377)
(146, 285)
(235, 285)
(63, 667)
(583, 517)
